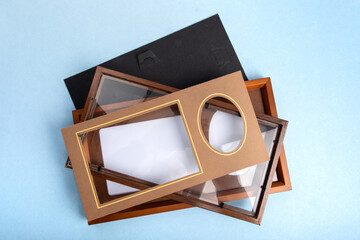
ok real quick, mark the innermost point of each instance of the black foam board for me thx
(190, 56)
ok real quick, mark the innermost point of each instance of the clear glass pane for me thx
(114, 93)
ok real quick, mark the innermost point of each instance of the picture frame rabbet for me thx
(190, 102)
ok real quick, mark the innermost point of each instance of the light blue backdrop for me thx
(310, 49)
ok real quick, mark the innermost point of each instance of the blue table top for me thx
(310, 49)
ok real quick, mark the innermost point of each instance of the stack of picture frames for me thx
(143, 143)
(241, 193)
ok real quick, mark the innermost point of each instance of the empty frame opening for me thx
(153, 147)
(223, 129)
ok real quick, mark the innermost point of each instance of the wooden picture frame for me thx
(261, 94)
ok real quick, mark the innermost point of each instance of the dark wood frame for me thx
(283, 183)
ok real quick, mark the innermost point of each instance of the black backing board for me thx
(190, 56)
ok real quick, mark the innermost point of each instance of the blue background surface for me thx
(310, 49)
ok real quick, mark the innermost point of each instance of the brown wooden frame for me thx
(264, 85)
(283, 183)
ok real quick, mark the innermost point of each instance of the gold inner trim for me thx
(238, 108)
